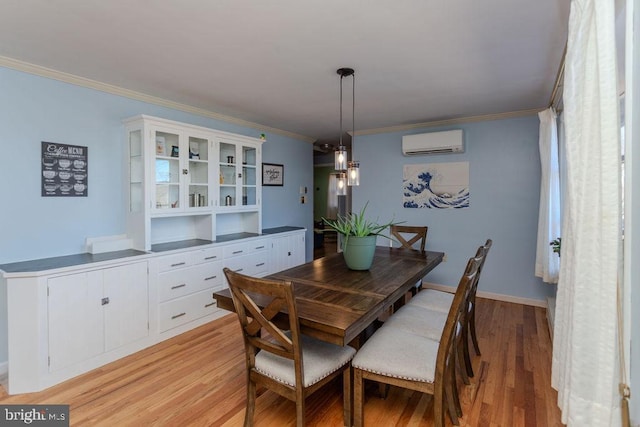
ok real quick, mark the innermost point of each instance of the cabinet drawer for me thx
(236, 250)
(171, 262)
(238, 264)
(258, 245)
(177, 283)
(186, 309)
(207, 255)
(258, 263)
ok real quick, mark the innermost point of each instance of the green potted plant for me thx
(556, 245)
(360, 235)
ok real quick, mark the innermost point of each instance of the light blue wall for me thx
(504, 169)
(35, 109)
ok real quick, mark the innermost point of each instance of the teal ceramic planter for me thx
(358, 252)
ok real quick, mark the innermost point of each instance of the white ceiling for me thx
(274, 62)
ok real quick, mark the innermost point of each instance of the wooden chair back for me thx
(416, 233)
(471, 308)
(445, 386)
(258, 328)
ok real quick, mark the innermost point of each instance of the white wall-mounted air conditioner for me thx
(450, 141)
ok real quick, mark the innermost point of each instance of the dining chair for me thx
(437, 300)
(397, 356)
(408, 235)
(282, 359)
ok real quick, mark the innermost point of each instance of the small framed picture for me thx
(272, 174)
(174, 151)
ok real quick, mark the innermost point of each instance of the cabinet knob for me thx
(105, 301)
(185, 171)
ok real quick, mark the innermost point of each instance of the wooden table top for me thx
(336, 304)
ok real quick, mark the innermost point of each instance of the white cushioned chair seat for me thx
(319, 359)
(398, 354)
(433, 300)
(418, 321)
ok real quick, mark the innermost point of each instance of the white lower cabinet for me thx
(62, 322)
(96, 311)
(287, 251)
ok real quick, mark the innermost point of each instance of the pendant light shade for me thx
(341, 158)
(341, 184)
(353, 173)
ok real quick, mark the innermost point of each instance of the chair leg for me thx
(383, 389)
(347, 401)
(358, 398)
(300, 411)
(438, 407)
(251, 403)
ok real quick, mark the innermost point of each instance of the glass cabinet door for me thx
(227, 194)
(136, 172)
(249, 171)
(198, 172)
(167, 171)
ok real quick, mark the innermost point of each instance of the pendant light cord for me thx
(353, 114)
(341, 77)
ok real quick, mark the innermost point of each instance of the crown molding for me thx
(138, 96)
(447, 122)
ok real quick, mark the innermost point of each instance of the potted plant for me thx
(556, 245)
(360, 235)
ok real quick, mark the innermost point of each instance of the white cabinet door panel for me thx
(126, 316)
(76, 330)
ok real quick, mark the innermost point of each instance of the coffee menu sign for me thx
(64, 170)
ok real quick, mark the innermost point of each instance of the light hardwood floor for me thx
(198, 379)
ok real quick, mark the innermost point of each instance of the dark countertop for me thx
(53, 263)
(66, 261)
(276, 230)
(182, 244)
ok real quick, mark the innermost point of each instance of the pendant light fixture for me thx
(352, 168)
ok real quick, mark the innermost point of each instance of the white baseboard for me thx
(490, 295)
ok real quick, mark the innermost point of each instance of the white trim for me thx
(138, 96)
(491, 295)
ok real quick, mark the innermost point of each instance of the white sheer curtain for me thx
(547, 262)
(585, 362)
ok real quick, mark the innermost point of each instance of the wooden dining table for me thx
(336, 304)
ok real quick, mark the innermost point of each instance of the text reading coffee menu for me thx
(64, 170)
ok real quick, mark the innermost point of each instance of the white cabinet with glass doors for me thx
(180, 176)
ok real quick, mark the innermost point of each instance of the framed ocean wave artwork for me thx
(436, 186)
